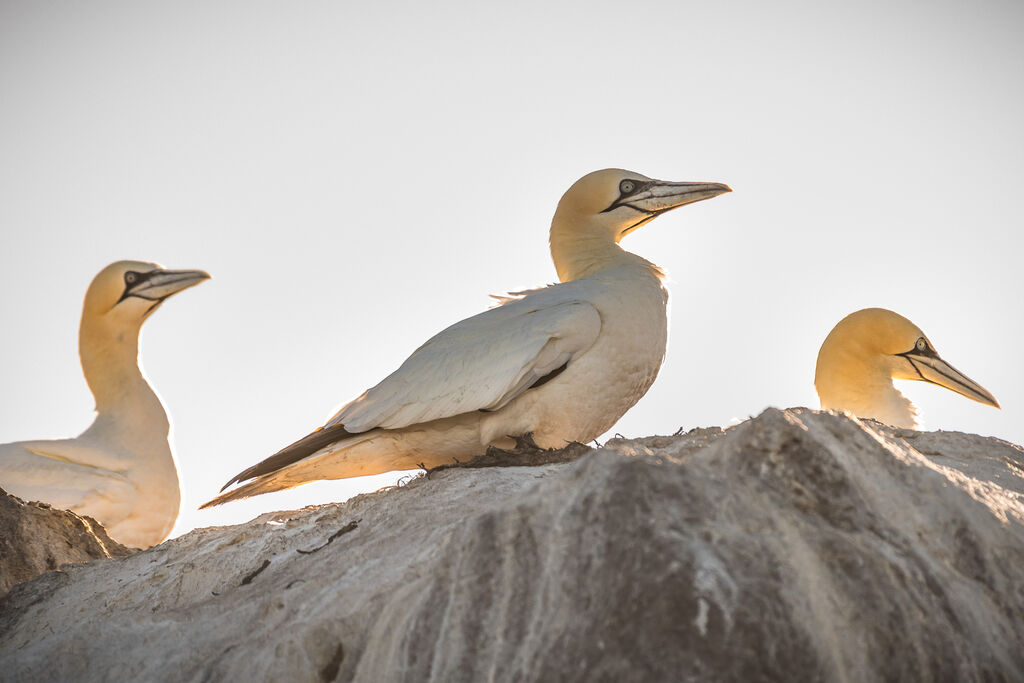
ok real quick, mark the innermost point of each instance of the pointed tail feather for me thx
(307, 445)
(303, 464)
(265, 484)
(264, 470)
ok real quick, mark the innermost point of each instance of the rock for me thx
(796, 546)
(35, 538)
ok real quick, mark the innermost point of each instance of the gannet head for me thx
(128, 291)
(615, 202)
(867, 350)
(604, 206)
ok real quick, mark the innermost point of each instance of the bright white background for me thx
(356, 176)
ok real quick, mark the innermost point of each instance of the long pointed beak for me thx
(937, 371)
(660, 196)
(160, 284)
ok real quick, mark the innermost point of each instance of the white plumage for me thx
(120, 470)
(505, 350)
(562, 363)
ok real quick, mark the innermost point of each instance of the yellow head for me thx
(604, 206)
(614, 202)
(128, 291)
(867, 350)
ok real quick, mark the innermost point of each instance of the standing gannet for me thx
(867, 350)
(120, 470)
(562, 363)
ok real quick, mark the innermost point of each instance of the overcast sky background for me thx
(357, 176)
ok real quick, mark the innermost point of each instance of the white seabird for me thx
(867, 350)
(120, 470)
(562, 363)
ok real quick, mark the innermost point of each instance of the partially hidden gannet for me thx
(120, 470)
(867, 350)
(562, 362)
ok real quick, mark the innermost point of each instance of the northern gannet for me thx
(120, 470)
(562, 362)
(867, 350)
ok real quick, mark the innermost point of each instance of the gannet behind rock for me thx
(562, 363)
(120, 470)
(866, 351)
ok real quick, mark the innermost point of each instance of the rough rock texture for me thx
(35, 538)
(796, 546)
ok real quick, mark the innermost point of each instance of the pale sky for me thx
(357, 176)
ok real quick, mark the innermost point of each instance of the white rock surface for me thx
(796, 546)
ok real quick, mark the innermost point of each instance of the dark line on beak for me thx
(952, 379)
(916, 369)
(646, 211)
(651, 215)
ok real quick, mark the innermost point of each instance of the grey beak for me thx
(658, 196)
(934, 370)
(157, 285)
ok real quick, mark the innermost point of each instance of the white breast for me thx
(599, 386)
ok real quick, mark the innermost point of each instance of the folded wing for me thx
(53, 472)
(481, 363)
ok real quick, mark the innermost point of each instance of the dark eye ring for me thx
(627, 186)
(129, 277)
(922, 345)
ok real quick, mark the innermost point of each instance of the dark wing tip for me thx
(292, 453)
(234, 480)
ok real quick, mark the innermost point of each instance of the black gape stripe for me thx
(916, 369)
(927, 351)
(637, 208)
(638, 186)
(132, 279)
(951, 378)
(651, 215)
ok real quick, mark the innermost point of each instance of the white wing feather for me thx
(480, 363)
(51, 472)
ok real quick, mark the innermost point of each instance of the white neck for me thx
(128, 410)
(579, 253)
(866, 391)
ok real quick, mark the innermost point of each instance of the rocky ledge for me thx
(35, 538)
(796, 546)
